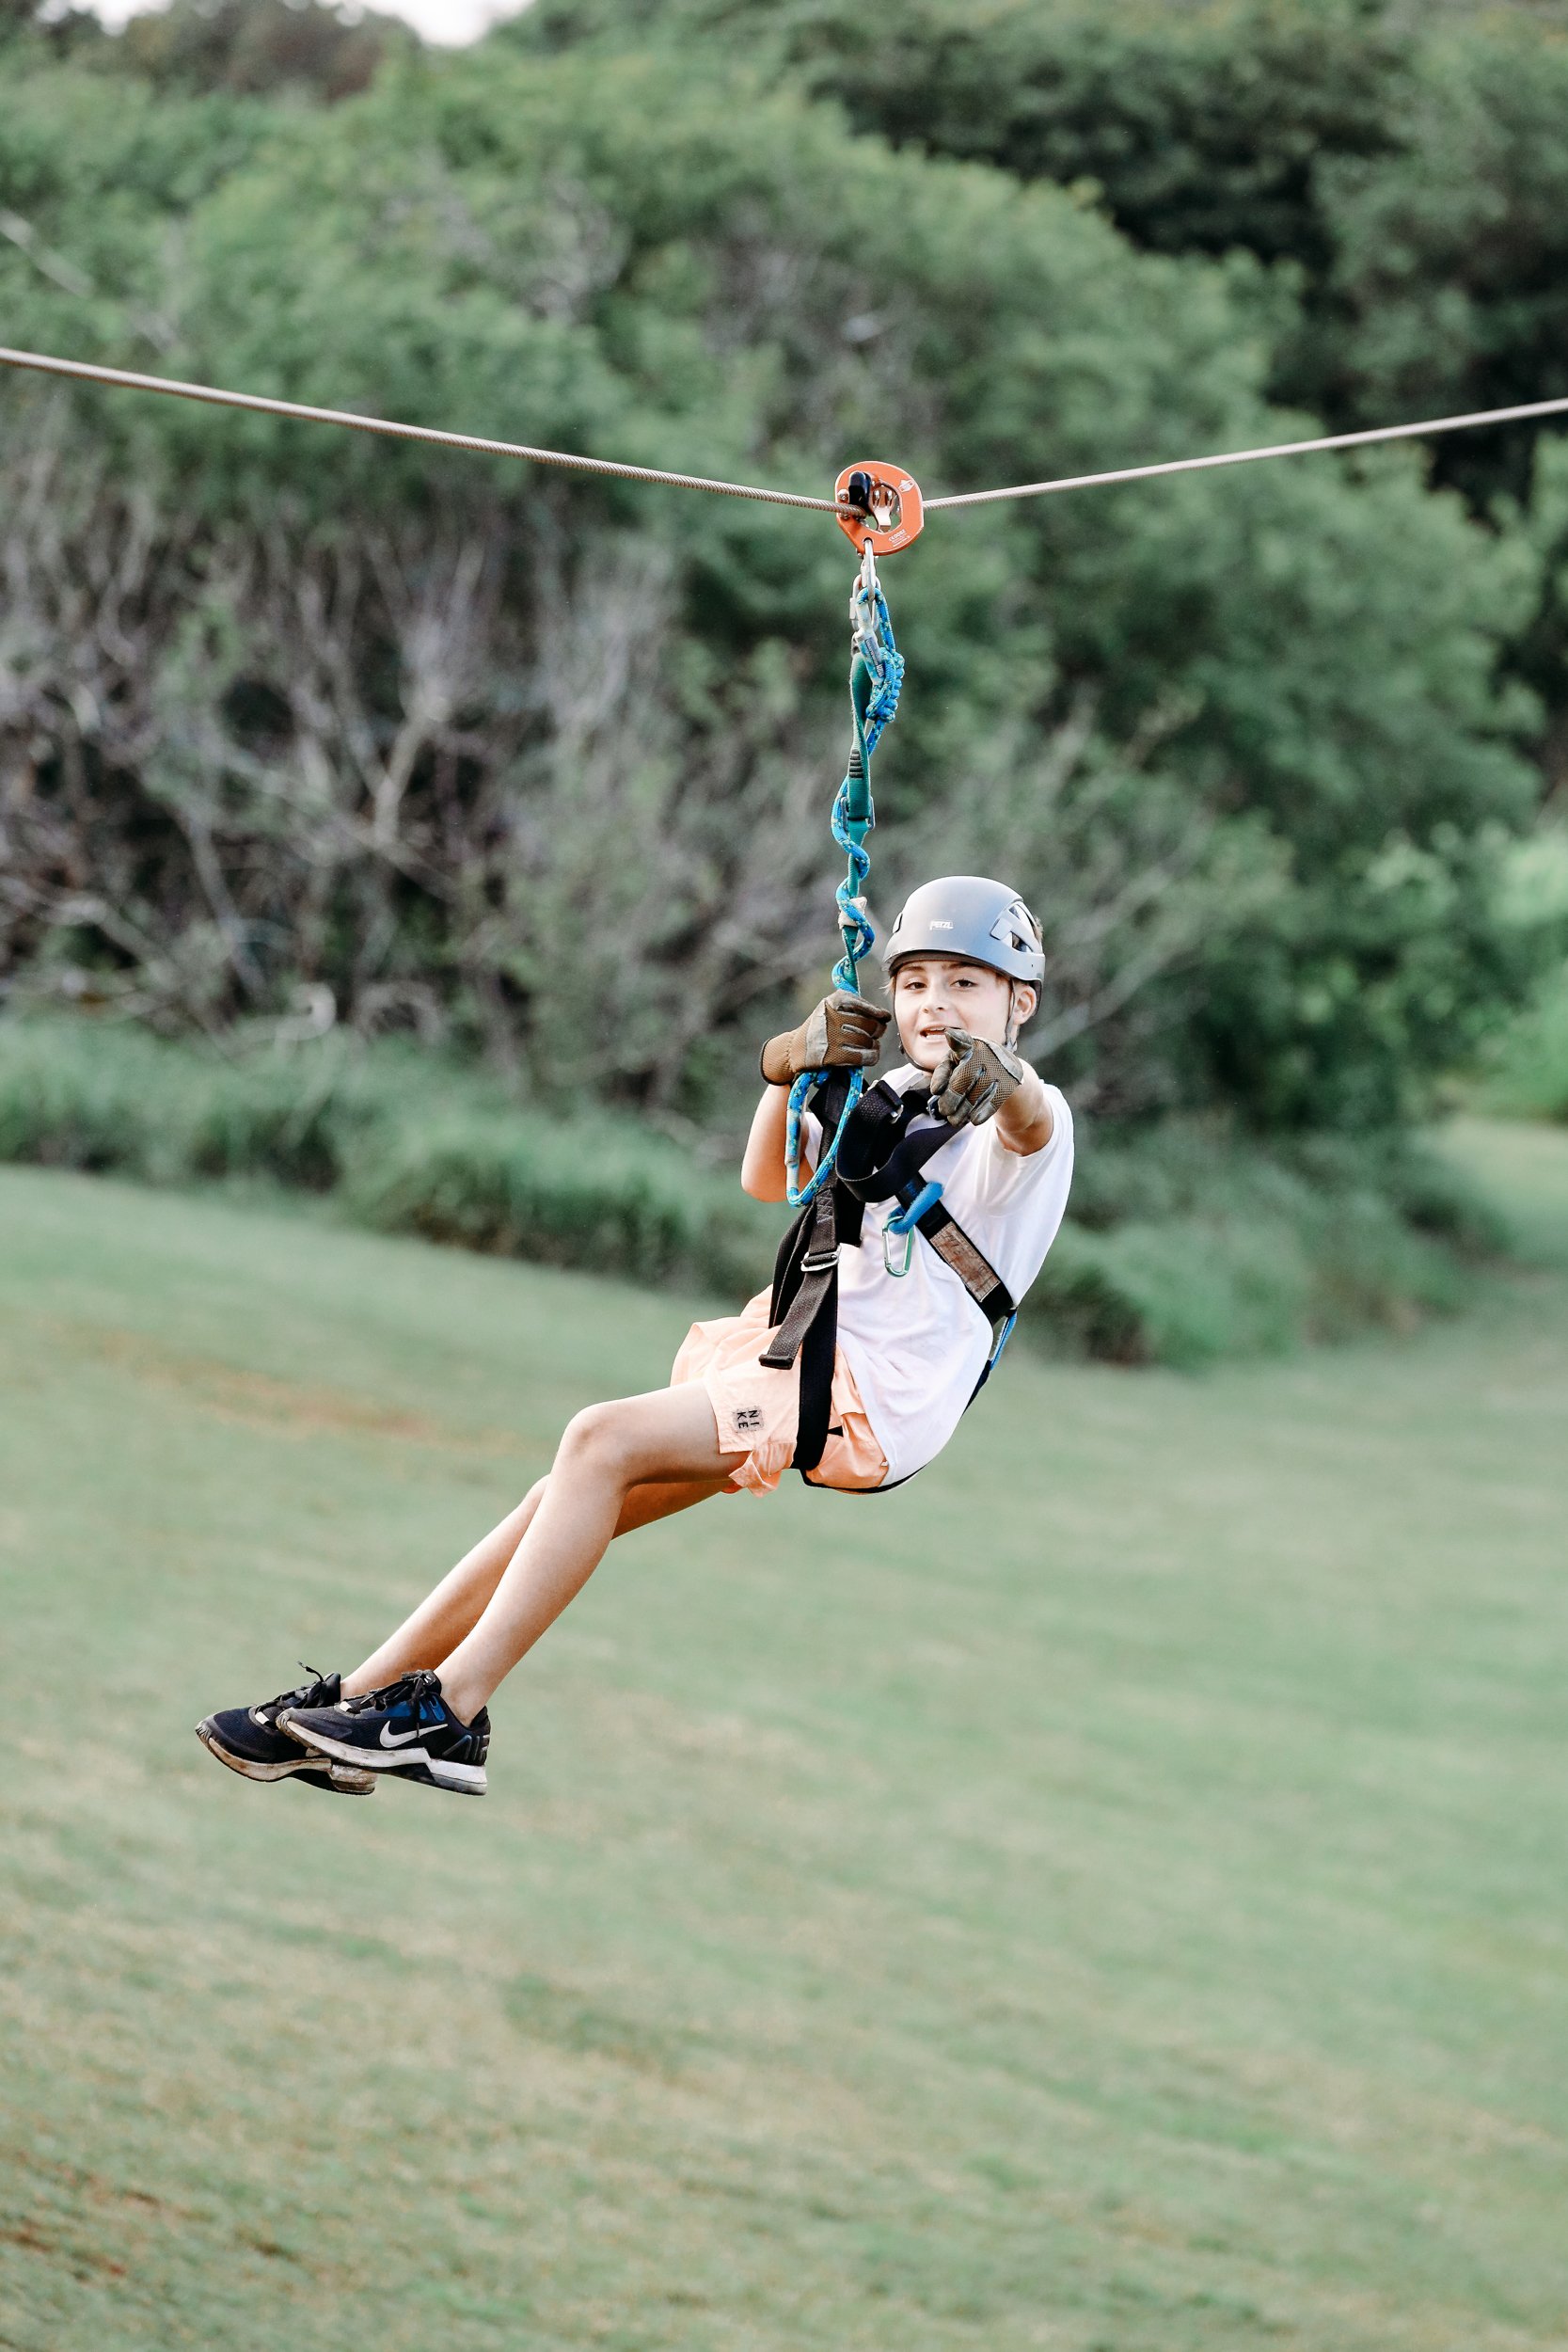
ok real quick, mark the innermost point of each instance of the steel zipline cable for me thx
(1271, 449)
(87, 371)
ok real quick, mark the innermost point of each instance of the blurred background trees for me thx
(296, 729)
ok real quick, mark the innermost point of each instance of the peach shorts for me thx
(759, 1408)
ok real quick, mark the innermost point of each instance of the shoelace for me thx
(270, 1710)
(408, 1691)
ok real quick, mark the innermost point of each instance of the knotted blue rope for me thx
(876, 675)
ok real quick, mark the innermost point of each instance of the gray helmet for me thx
(964, 914)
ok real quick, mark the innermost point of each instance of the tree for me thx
(256, 46)
(550, 758)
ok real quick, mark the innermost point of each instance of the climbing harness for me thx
(884, 513)
(885, 1138)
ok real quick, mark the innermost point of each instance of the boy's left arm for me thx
(1024, 1122)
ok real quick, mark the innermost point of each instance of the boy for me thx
(950, 1186)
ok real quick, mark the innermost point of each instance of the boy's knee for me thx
(597, 1435)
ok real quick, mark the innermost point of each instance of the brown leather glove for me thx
(842, 1032)
(974, 1079)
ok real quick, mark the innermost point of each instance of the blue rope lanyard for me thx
(876, 673)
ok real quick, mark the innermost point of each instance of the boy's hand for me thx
(842, 1032)
(973, 1080)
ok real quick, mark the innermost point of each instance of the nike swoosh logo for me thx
(391, 1738)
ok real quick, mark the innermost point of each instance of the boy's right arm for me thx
(762, 1172)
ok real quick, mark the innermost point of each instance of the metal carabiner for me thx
(903, 1226)
(863, 595)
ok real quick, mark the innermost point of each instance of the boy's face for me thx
(932, 995)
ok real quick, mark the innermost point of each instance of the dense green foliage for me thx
(542, 766)
(1202, 127)
(262, 45)
(1404, 166)
(1399, 173)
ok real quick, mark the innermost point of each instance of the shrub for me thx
(67, 1103)
(1529, 1074)
(406, 1142)
(598, 1194)
(1184, 1292)
(1188, 1244)
(1185, 1244)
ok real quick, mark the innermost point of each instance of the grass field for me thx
(1111, 1893)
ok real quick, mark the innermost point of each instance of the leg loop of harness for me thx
(807, 1285)
(805, 1309)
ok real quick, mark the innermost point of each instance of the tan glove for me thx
(842, 1032)
(973, 1080)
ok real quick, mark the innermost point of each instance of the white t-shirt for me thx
(917, 1344)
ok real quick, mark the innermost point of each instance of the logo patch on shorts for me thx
(747, 1420)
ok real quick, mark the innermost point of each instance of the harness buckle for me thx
(820, 1261)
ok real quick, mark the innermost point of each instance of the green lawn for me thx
(1111, 1893)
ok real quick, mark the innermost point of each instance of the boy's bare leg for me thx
(454, 1608)
(456, 1604)
(665, 1439)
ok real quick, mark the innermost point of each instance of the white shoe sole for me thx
(464, 1780)
(357, 1783)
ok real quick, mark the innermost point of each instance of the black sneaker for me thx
(248, 1739)
(406, 1728)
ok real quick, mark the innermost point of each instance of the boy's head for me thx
(964, 954)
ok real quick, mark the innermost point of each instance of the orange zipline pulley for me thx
(879, 505)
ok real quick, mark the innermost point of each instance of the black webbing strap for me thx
(988, 1290)
(804, 1307)
(803, 1287)
(973, 1269)
(818, 1356)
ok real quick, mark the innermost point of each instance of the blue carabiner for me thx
(904, 1225)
